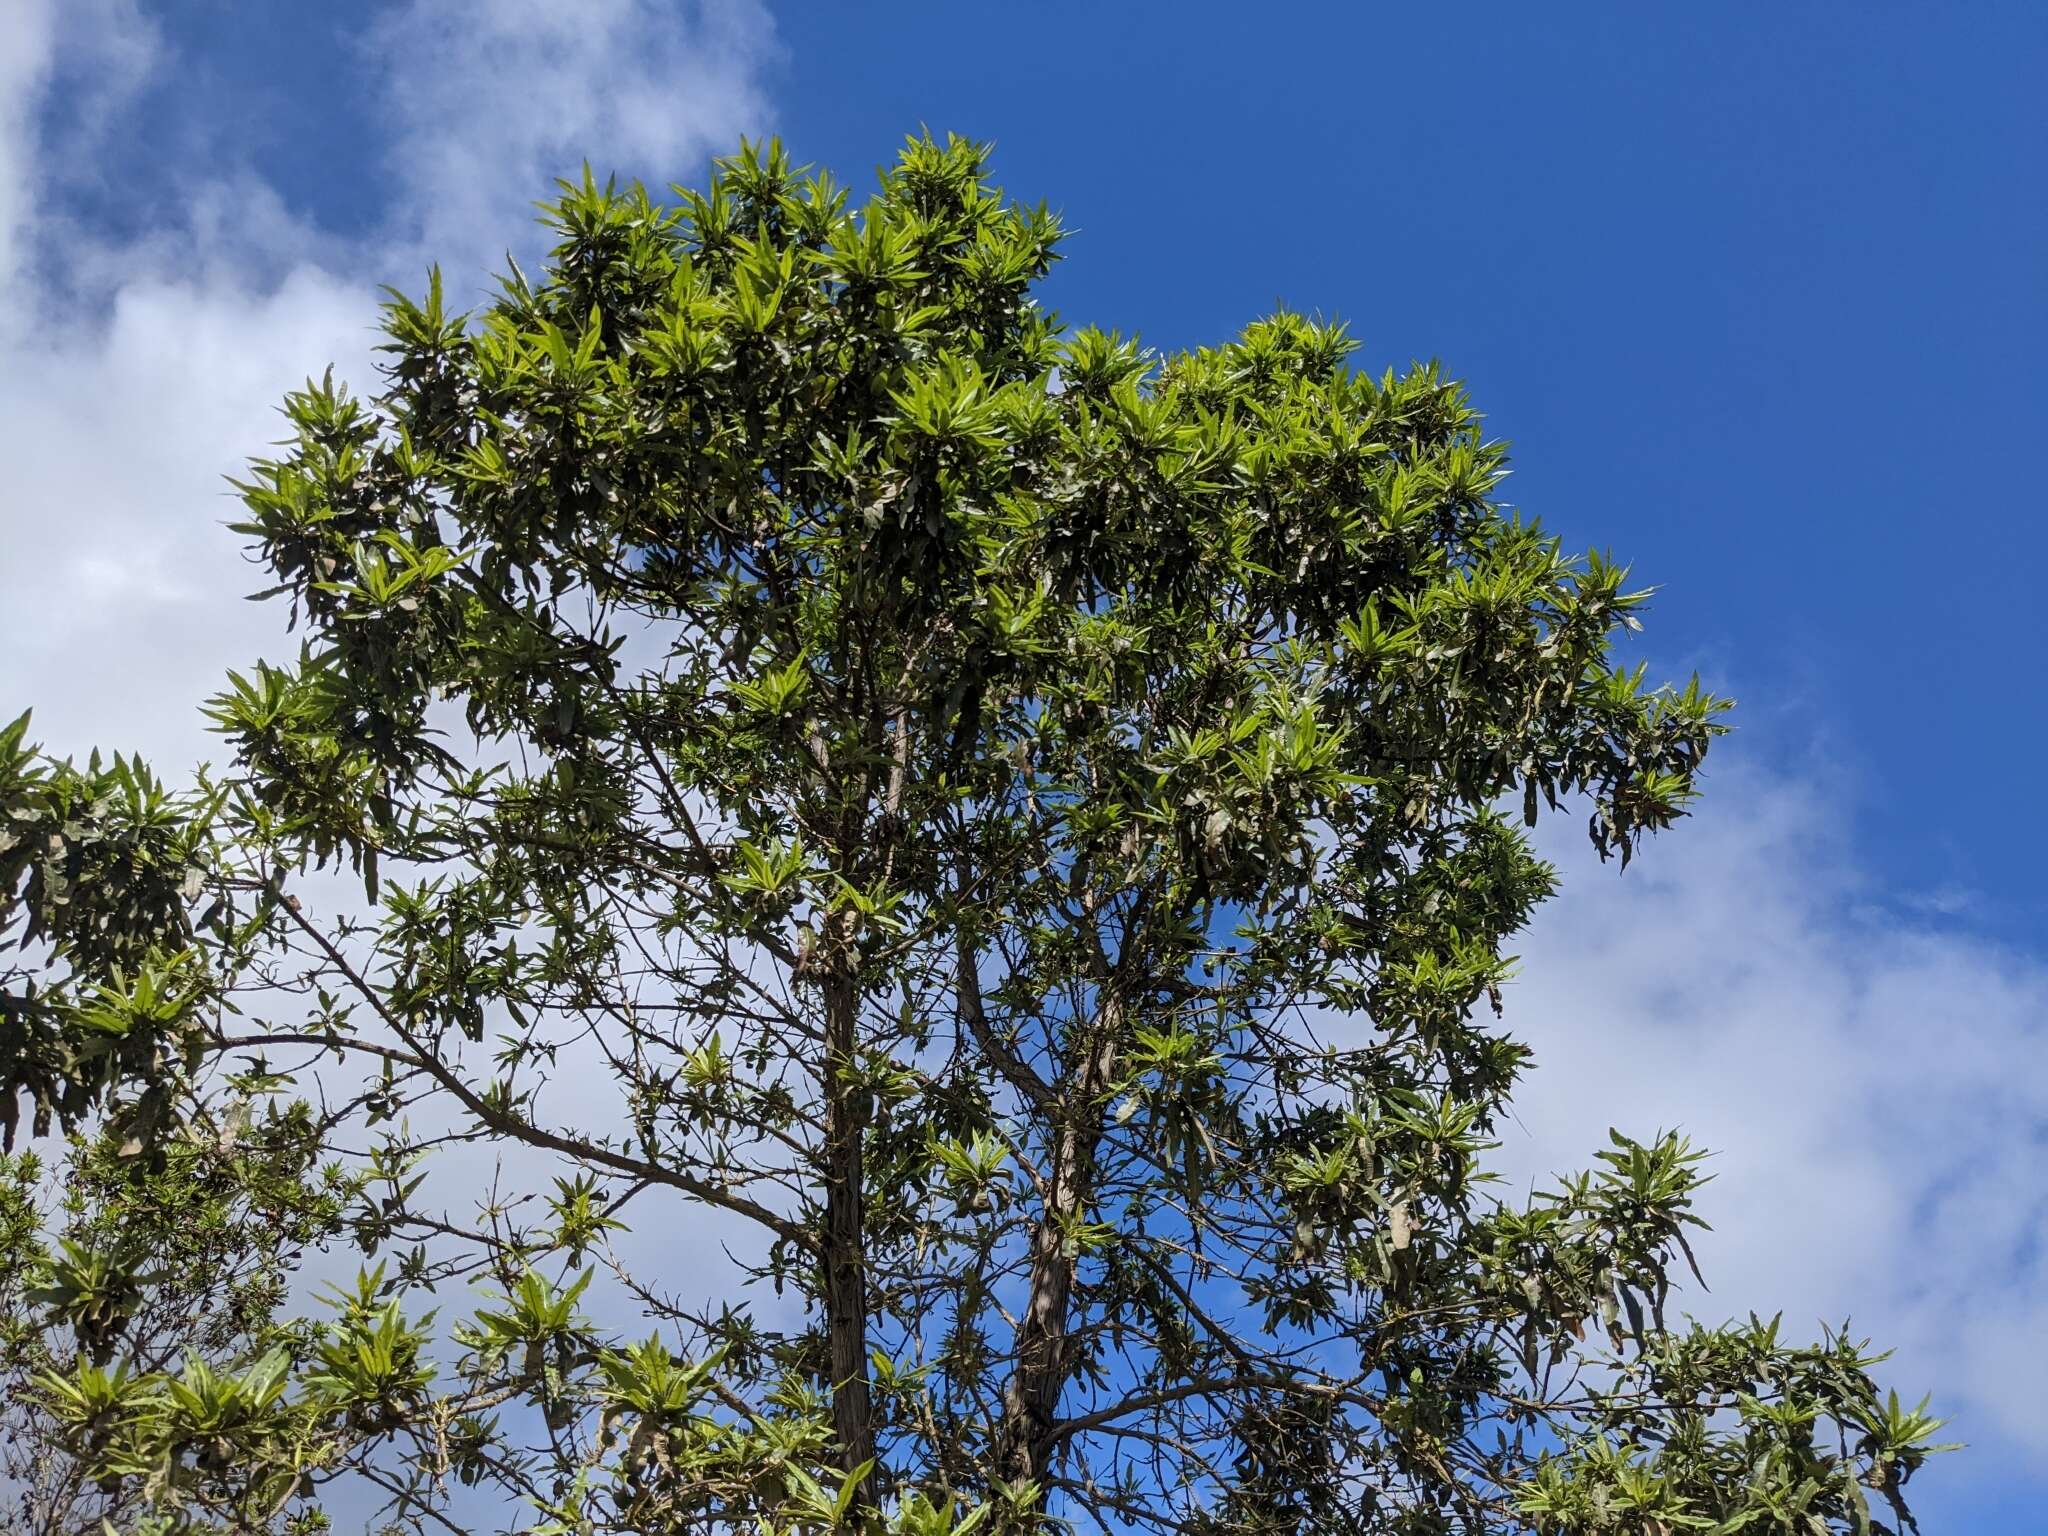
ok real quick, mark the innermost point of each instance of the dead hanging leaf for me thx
(1214, 829)
(1635, 1314)
(1399, 1228)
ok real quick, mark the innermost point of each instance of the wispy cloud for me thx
(1869, 1071)
(136, 373)
(26, 50)
(1868, 1075)
(492, 100)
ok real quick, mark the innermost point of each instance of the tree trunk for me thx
(1044, 1347)
(845, 1274)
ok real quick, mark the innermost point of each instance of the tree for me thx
(1017, 835)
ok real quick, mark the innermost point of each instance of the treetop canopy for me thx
(1017, 834)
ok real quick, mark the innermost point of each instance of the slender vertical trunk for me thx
(1044, 1357)
(845, 1274)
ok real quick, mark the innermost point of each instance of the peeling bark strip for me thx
(845, 1275)
(1044, 1347)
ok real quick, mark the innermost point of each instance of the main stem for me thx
(1044, 1346)
(845, 1276)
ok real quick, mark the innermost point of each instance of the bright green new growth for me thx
(1014, 836)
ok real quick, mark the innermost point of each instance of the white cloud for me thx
(124, 590)
(495, 99)
(1870, 1082)
(153, 368)
(95, 54)
(25, 51)
(136, 374)
(133, 387)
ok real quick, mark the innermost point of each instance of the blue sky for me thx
(1759, 293)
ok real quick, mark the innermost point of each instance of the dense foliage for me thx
(961, 870)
